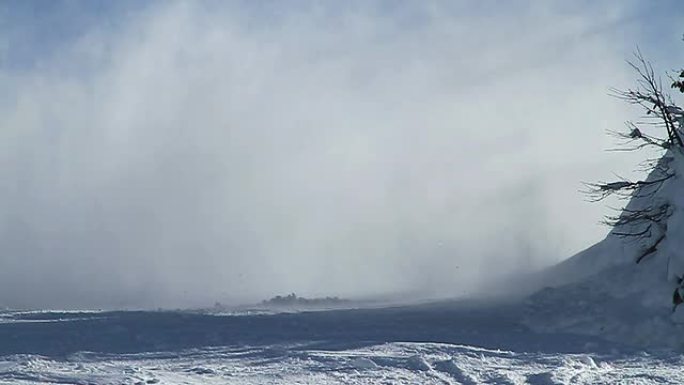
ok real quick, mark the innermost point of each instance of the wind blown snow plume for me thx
(190, 152)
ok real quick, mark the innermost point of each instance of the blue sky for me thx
(35, 30)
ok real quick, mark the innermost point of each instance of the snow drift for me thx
(603, 290)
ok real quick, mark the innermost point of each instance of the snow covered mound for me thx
(624, 288)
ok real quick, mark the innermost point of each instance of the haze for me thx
(174, 154)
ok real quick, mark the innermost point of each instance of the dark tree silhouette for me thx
(679, 83)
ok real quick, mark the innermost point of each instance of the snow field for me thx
(390, 363)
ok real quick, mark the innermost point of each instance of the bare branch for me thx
(625, 188)
(650, 96)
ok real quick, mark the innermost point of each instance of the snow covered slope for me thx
(604, 291)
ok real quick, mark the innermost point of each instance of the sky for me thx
(175, 154)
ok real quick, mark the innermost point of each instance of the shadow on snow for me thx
(57, 334)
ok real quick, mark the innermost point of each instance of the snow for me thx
(385, 363)
(602, 291)
(453, 342)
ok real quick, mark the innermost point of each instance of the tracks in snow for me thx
(397, 363)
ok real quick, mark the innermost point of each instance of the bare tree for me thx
(646, 218)
(661, 110)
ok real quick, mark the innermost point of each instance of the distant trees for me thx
(292, 300)
(645, 217)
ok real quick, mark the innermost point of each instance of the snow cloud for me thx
(192, 152)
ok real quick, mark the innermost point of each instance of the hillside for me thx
(604, 291)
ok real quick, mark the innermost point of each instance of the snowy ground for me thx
(444, 343)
